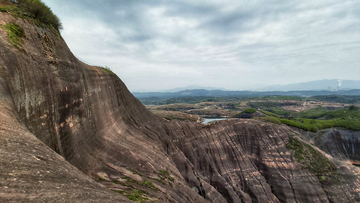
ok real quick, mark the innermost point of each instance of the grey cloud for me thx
(205, 39)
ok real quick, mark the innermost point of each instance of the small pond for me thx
(208, 120)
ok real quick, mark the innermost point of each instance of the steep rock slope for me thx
(249, 160)
(85, 114)
(343, 144)
(31, 171)
(52, 104)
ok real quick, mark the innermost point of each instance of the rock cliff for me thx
(73, 132)
(343, 144)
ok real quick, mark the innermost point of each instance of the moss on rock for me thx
(313, 160)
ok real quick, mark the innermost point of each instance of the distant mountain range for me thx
(220, 93)
(314, 85)
(192, 87)
(312, 88)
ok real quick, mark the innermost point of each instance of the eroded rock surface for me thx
(343, 144)
(73, 132)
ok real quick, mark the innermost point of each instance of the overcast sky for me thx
(155, 45)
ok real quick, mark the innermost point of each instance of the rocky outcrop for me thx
(342, 144)
(68, 131)
(249, 161)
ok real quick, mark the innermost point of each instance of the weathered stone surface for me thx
(32, 172)
(342, 144)
(84, 114)
(54, 106)
(248, 159)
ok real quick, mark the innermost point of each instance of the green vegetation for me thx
(248, 113)
(250, 110)
(308, 124)
(118, 191)
(189, 100)
(313, 160)
(352, 112)
(317, 119)
(158, 180)
(271, 119)
(107, 69)
(345, 99)
(280, 112)
(165, 175)
(148, 184)
(34, 10)
(136, 196)
(312, 120)
(314, 113)
(3, 9)
(314, 125)
(119, 183)
(128, 179)
(175, 118)
(15, 34)
(269, 113)
(135, 172)
(279, 97)
(345, 113)
(270, 104)
(266, 101)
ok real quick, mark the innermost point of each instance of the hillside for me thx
(71, 132)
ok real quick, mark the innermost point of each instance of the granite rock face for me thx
(73, 132)
(249, 161)
(342, 144)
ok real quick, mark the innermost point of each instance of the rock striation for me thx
(342, 144)
(73, 132)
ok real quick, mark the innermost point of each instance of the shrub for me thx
(107, 69)
(353, 108)
(250, 110)
(34, 9)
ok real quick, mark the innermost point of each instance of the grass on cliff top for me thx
(107, 69)
(248, 110)
(313, 160)
(34, 10)
(15, 34)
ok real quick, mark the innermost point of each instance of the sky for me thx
(232, 44)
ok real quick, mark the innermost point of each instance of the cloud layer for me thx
(154, 45)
